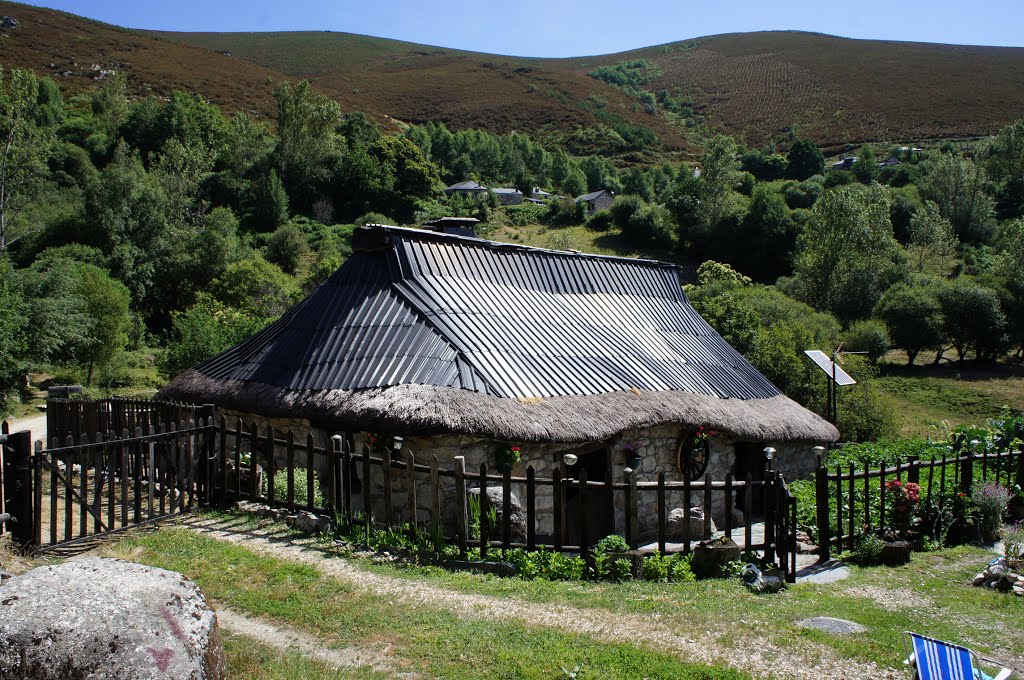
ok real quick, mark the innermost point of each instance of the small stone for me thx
(4, 575)
(980, 579)
(832, 625)
(308, 522)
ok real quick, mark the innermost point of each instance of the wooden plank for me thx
(410, 470)
(346, 479)
(531, 509)
(581, 512)
(290, 463)
(222, 453)
(485, 505)
(506, 509)
(268, 455)
(123, 460)
(707, 507)
(687, 504)
(237, 490)
(254, 488)
(174, 457)
(37, 490)
(881, 499)
(461, 511)
(662, 518)
(368, 489)
(824, 519)
(435, 493)
(69, 473)
(633, 511)
(83, 487)
(748, 507)
(558, 514)
(151, 471)
(53, 495)
(729, 481)
(389, 518)
(310, 473)
(850, 514)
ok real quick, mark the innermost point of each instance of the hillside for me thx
(76, 52)
(762, 87)
(758, 85)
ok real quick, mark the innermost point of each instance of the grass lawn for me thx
(418, 638)
(926, 396)
(931, 595)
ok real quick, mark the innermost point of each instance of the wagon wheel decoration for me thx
(693, 454)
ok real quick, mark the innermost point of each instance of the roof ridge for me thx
(427, 235)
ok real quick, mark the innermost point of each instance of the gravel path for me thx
(745, 651)
(291, 639)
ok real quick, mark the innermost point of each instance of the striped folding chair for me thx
(934, 659)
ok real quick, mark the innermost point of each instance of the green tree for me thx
(973, 319)
(203, 331)
(848, 257)
(766, 237)
(867, 335)
(286, 248)
(307, 124)
(105, 304)
(256, 288)
(720, 174)
(1006, 166)
(269, 206)
(913, 317)
(866, 167)
(804, 161)
(13, 340)
(958, 186)
(24, 148)
(932, 240)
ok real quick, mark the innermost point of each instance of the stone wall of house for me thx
(658, 446)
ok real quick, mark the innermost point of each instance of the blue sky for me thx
(566, 28)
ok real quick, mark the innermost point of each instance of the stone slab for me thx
(831, 625)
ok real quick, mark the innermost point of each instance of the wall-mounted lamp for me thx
(397, 444)
(769, 454)
(569, 459)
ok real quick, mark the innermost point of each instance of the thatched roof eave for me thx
(428, 410)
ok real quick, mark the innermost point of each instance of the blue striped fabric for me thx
(937, 660)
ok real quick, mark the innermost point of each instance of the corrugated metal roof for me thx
(501, 319)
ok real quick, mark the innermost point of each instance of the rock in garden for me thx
(710, 557)
(308, 522)
(517, 518)
(677, 519)
(105, 618)
(831, 625)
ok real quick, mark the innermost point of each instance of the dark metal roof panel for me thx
(424, 308)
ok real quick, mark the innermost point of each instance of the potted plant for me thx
(633, 456)
(991, 500)
(507, 457)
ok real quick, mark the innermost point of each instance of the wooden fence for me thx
(77, 417)
(839, 492)
(82, 485)
(396, 490)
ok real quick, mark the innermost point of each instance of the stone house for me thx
(509, 195)
(597, 200)
(465, 347)
(466, 188)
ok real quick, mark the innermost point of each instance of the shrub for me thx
(601, 221)
(868, 336)
(868, 549)
(612, 543)
(992, 500)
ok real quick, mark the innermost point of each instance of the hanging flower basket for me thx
(694, 452)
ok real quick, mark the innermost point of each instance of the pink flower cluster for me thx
(906, 495)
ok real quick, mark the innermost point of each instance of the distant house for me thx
(696, 172)
(509, 196)
(597, 200)
(539, 194)
(844, 163)
(891, 160)
(467, 188)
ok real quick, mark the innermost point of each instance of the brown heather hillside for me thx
(759, 86)
(756, 85)
(74, 51)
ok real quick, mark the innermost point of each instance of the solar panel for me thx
(831, 370)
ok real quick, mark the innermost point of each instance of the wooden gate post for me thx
(822, 502)
(18, 487)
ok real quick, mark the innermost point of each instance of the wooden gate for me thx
(80, 487)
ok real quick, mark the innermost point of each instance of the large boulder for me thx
(674, 525)
(105, 618)
(517, 515)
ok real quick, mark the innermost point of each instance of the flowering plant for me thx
(508, 456)
(633, 447)
(703, 434)
(377, 442)
(906, 497)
